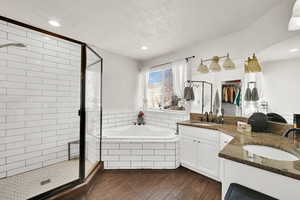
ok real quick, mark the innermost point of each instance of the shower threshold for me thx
(35, 182)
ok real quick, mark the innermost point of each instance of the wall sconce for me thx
(215, 66)
(228, 64)
(202, 68)
(252, 65)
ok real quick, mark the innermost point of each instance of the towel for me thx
(189, 94)
(254, 96)
(217, 102)
(248, 94)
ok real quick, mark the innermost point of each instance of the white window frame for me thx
(156, 69)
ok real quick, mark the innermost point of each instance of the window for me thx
(160, 93)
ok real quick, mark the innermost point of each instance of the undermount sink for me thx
(270, 152)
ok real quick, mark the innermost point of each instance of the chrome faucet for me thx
(206, 116)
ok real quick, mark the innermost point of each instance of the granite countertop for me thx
(234, 150)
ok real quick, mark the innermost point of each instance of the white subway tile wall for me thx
(117, 119)
(165, 119)
(162, 119)
(39, 99)
(140, 155)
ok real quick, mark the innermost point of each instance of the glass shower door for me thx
(93, 110)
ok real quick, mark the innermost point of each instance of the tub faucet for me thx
(286, 134)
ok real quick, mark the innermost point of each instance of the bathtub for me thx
(145, 133)
(140, 147)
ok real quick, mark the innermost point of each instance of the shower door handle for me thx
(79, 112)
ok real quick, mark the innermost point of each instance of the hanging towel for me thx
(248, 94)
(217, 102)
(189, 94)
(254, 96)
(192, 94)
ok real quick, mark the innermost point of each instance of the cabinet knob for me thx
(198, 141)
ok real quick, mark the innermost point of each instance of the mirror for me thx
(276, 86)
(280, 78)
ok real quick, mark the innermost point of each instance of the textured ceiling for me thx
(123, 26)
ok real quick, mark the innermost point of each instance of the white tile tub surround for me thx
(166, 119)
(157, 118)
(145, 154)
(117, 119)
(140, 155)
(39, 99)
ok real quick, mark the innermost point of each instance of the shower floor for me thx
(27, 185)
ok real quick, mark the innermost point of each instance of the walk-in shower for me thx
(50, 111)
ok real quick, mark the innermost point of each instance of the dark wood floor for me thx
(179, 184)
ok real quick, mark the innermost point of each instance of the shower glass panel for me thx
(39, 103)
(93, 110)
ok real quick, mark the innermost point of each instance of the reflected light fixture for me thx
(294, 50)
(202, 68)
(252, 65)
(228, 64)
(294, 23)
(215, 66)
(54, 23)
(144, 48)
(255, 64)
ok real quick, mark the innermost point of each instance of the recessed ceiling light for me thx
(54, 23)
(294, 50)
(144, 48)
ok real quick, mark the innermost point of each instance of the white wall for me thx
(268, 30)
(120, 77)
(281, 86)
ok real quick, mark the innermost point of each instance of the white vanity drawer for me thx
(200, 133)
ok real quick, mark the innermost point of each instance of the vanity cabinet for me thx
(208, 161)
(188, 151)
(199, 150)
(224, 140)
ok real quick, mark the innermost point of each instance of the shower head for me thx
(13, 45)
